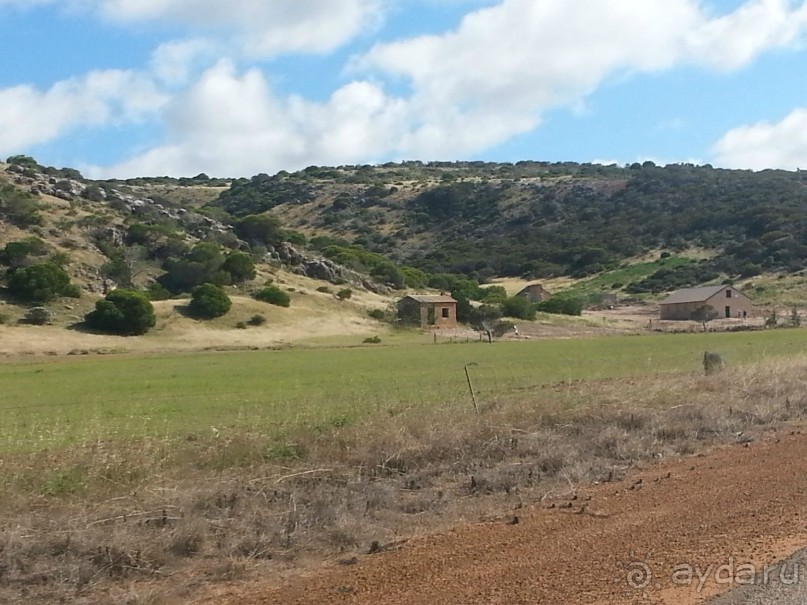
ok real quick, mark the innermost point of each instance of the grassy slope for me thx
(51, 403)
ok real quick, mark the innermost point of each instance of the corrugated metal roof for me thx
(691, 295)
(426, 298)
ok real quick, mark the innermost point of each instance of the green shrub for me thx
(240, 266)
(324, 289)
(17, 254)
(344, 294)
(518, 307)
(156, 291)
(377, 314)
(561, 305)
(209, 301)
(274, 296)
(72, 291)
(125, 312)
(241, 325)
(389, 274)
(372, 340)
(40, 282)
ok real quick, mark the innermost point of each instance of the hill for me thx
(585, 229)
(539, 220)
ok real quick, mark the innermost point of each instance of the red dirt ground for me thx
(739, 504)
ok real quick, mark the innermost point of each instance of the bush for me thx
(377, 314)
(344, 294)
(38, 316)
(209, 301)
(72, 291)
(712, 363)
(518, 307)
(257, 320)
(17, 254)
(41, 282)
(274, 296)
(125, 312)
(240, 267)
(324, 289)
(372, 340)
(241, 325)
(561, 305)
(389, 274)
(156, 291)
(484, 316)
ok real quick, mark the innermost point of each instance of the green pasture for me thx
(46, 404)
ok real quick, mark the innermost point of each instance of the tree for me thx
(415, 278)
(260, 229)
(704, 314)
(202, 264)
(209, 301)
(388, 273)
(40, 282)
(125, 312)
(240, 266)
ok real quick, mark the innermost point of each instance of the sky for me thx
(124, 88)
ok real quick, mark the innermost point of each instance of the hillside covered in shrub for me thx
(536, 219)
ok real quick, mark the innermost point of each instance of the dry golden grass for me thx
(153, 520)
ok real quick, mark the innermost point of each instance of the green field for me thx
(51, 403)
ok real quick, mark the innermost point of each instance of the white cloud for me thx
(232, 123)
(29, 116)
(263, 27)
(766, 145)
(173, 63)
(258, 28)
(505, 65)
(468, 89)
(735, 39)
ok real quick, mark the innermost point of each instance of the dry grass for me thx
(150, 522)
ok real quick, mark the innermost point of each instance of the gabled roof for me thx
(532, 287)
(425, 298)
(691, 295)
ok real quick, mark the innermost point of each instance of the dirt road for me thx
(677, 533)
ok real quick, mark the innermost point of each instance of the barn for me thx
(534, 293)
(726, 300)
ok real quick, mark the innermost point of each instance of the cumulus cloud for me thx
(174, 63)
(781, 144)
(731, 41)
(263, 28)
(233, 123)
(29, 116)
(505, 65)
(492, 77)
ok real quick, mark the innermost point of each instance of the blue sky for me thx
(121, 88)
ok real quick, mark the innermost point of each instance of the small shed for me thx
(728, 301)
(534, 293)
(432, 311)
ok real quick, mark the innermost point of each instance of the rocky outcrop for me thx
(322, 269)
(39, 183)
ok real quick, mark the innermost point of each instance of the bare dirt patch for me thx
(740, 504)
